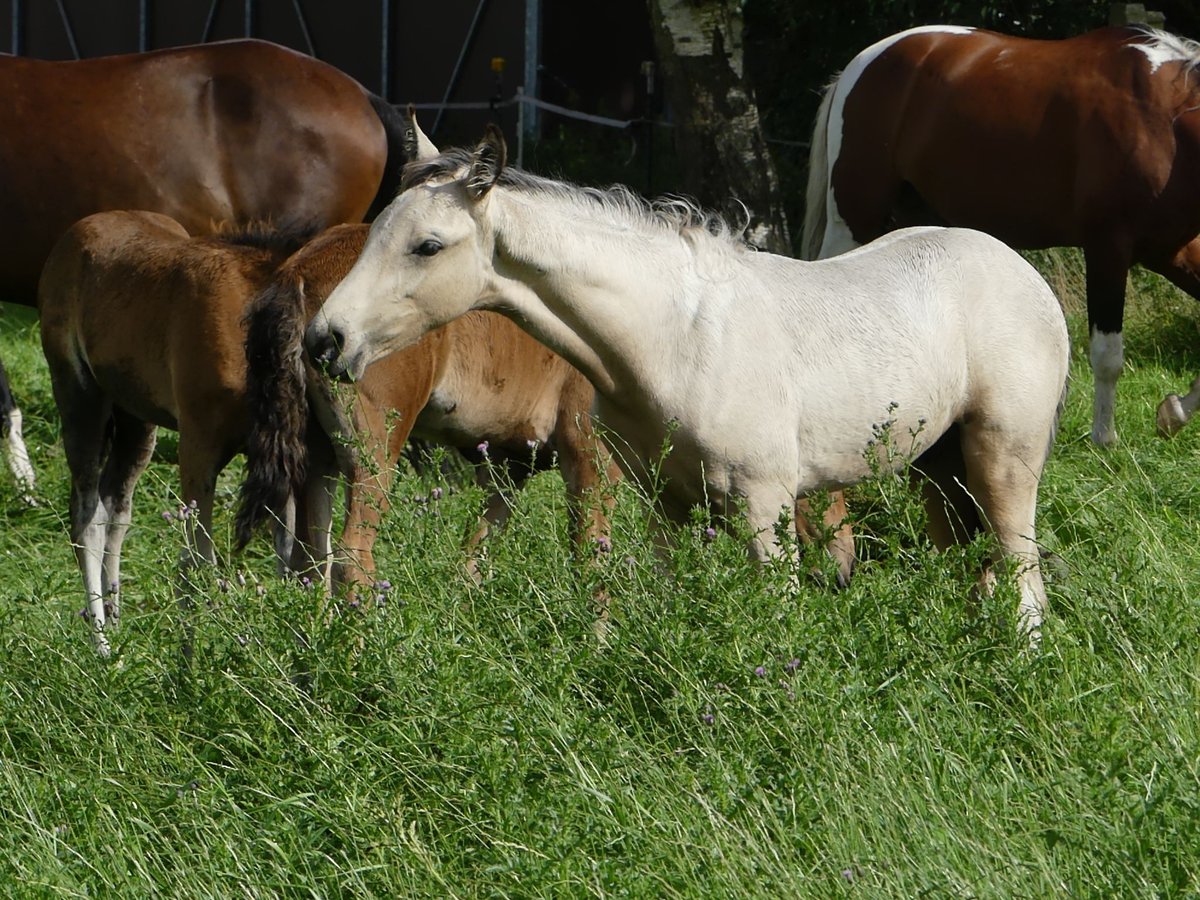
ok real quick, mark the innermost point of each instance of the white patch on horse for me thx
(839, 243)
(1107, 356)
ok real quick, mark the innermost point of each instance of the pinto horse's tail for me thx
(815, 207)
(276, 382)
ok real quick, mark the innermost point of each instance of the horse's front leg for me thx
(130, 451)
(765, 508)
(589, 473)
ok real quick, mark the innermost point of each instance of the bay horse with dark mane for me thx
(1091, 142)
(141, 327)
(145, 326)
(232, 132)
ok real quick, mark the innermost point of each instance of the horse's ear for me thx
(487, 163)
(416, 144)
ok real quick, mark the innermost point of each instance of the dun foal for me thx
(480, 385)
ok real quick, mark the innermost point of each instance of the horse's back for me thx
(151, 314)
(922, 327)
(234, 131)
(1025, 139)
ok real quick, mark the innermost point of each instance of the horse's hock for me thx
(1135, 14)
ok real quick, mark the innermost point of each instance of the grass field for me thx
(737, 737)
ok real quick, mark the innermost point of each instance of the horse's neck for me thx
(600, 301)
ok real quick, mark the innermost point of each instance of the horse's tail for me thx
(395, 126)
(815, 210)
(276, 441)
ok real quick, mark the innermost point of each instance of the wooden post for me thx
(1135, 14)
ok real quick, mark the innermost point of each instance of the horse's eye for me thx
(427, 248)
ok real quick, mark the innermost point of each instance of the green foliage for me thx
(743, 731)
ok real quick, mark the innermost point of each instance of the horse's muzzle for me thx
(325, 345)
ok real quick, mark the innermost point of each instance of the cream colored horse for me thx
(769, 377)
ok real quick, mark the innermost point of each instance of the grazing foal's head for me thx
(427, 259)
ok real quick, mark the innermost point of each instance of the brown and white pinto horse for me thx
(479, 385)
(1093, 142)
(232, 132)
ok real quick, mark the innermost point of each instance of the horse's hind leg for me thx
(1174, 412)
(1002, 477)
(130, 451)
(1107, 268)
(588, 471)
(85, 414)
(1183, 269)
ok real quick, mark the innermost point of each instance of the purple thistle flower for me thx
(531, 444)
(760, 671)
(710, 533)
(354, 604)
(83, 613)
(167, 515)
(792, 664)
(436, 493)
(482, 447)
(708, 718)
(383, 585)
(604, 544)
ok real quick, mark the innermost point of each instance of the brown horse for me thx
(141, 327)
(1092, 142)
(230, 132)
(145, 326)
(479, 385)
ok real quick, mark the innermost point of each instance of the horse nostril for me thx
(327, 346)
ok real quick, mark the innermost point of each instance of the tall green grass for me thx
(737, 736)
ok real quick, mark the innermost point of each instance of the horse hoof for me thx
(1104, 437)
(1170, 417)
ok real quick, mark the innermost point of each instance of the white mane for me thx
(1161, 47)
(618, 204)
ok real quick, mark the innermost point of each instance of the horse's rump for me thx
(234, 131)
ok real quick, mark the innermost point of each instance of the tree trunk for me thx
(718, 135)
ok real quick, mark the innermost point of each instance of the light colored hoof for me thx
(1104, 437)
(1170, 419)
